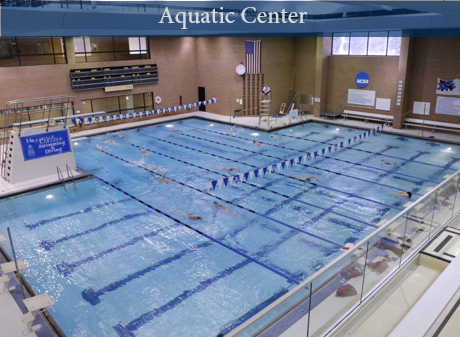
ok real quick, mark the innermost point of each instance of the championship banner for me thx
(448, 87)
(261, 172)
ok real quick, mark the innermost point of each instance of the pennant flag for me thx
(291, 162)
(213, 100)
(315, 154)
(241, 175)
(199, 103)
(104, 118)
(278, 166)
(236, 179)
(208, 186)
(299, 159)
(256, 173)
(341, 144)
(219, 183)
(265, 169)
(214, 184)
(230, 180)
(306, 158)
(330, 149)
(249, 174)
(261, 172)
(283, 165)
(286, 163)
(382, 127)
(225, 181)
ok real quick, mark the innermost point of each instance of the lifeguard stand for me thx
(265, 98)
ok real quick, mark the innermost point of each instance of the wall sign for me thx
(45, 144)
(361, 97)
(362, 80)
(448, 106)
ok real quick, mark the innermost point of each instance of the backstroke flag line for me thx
(260, 172)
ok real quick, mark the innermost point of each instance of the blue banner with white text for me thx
(45, 144)
(226, 18)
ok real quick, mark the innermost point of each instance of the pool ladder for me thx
(70, 181)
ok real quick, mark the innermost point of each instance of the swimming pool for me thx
(120, 259)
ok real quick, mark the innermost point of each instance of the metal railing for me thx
(395, 243)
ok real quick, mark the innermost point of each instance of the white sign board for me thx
(448, 87)
(448, 106)
(421, 108)
(361, 97)
(383, 104)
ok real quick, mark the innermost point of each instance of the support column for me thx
(400, 111)
(323, 50)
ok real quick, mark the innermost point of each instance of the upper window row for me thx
(385, 43)
(25, 51)
(97, 49)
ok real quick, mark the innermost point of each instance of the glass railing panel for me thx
(457, 194)
(419, 226)
(383, 254)
(332, 299)
(292, 313)
(444, 204)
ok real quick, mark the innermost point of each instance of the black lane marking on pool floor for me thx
(278, 159)
(196, 230)
(303, 164)
(219, 198)
(360, 150)
(288, 176)
(328, 157)
(246, 182)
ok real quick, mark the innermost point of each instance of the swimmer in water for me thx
(385, 162)
(405, 194)
(100, 147)
(306, 179)
(163, 179)
(224, 209)
(111, 142)
(257, 143)
(229, 169)
(190, 216)
(144, 151)
(274, 137)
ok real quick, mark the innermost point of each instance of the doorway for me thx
(202, 97)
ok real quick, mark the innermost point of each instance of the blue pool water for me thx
(120, 259)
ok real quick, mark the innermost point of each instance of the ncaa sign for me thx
(362, 80)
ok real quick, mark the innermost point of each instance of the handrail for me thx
(327, 269)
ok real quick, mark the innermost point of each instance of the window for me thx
(358, 44)
(381, 43)
(377, 43)
(119, 104)
(28, 51)
(98, 49)
(340, 43)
